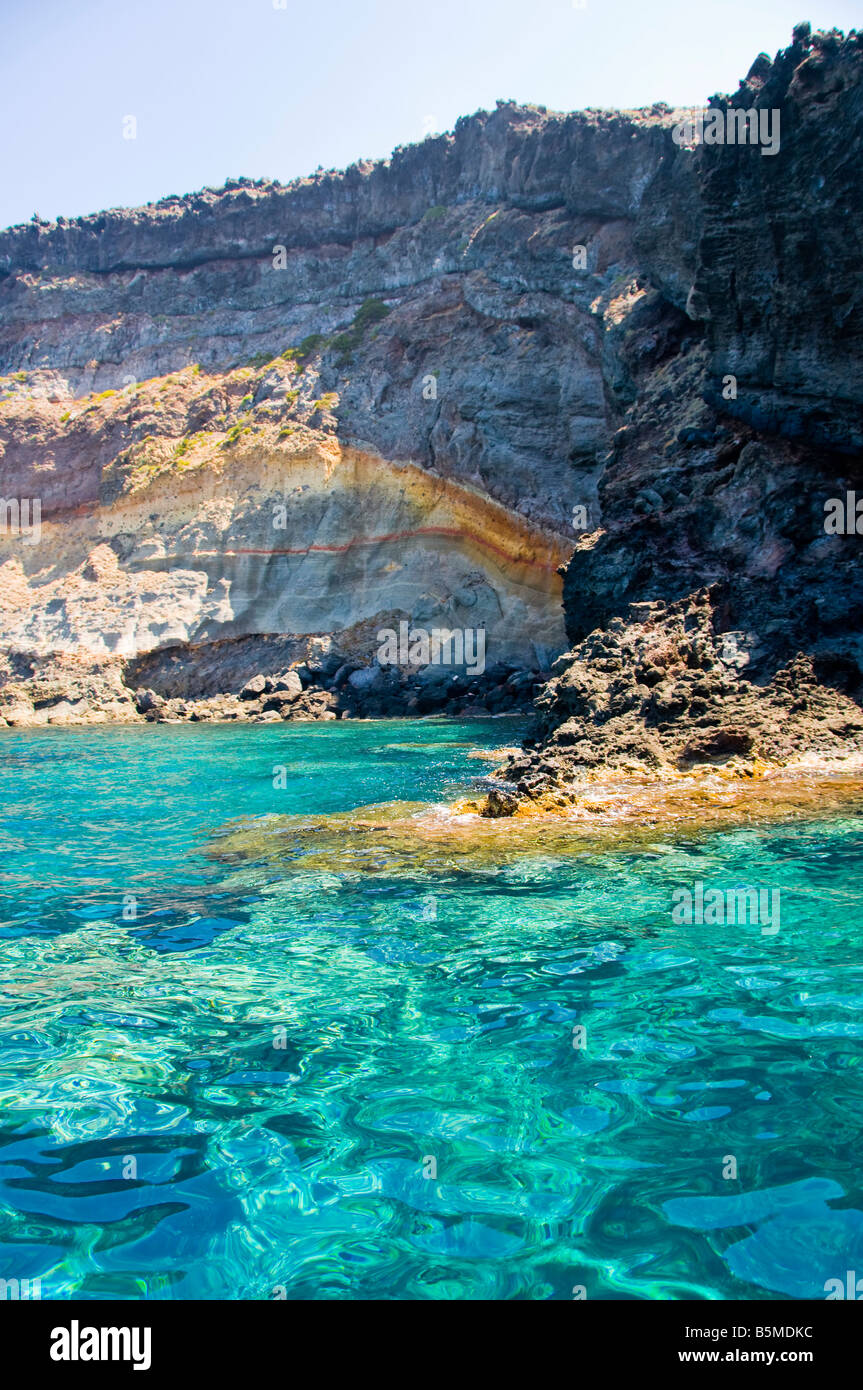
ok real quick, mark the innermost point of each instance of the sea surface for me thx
(232, 1077)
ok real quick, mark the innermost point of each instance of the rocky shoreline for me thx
(660, 694)
(176, 686)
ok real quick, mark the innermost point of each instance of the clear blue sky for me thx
(221, 88)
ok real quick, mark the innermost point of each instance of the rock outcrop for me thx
(716, 614)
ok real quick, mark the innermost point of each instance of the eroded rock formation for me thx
(320, 409)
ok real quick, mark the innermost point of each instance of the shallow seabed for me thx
(240, 1055)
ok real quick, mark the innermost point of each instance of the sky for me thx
(218, 89)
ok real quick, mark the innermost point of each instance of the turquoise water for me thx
(326, 1083)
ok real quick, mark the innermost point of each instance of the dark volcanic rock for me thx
(712, 616)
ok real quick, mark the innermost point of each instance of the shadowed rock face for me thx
(767, 251)
(713, 616)
(414, 361)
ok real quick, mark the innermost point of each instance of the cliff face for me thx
(466, 240)
(764, 251)
(366, 398)
(410, 390)
(714, 616)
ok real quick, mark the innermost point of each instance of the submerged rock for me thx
(621, 813)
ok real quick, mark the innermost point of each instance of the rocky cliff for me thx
(264, 422)
(715, 614)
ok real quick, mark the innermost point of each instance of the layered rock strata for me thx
(366, 398)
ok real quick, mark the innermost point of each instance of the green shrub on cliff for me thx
(315, 342)
(370, 312)
(241, 427)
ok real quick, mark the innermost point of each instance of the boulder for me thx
(288, 687)
(254, 688)
(367, 679)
